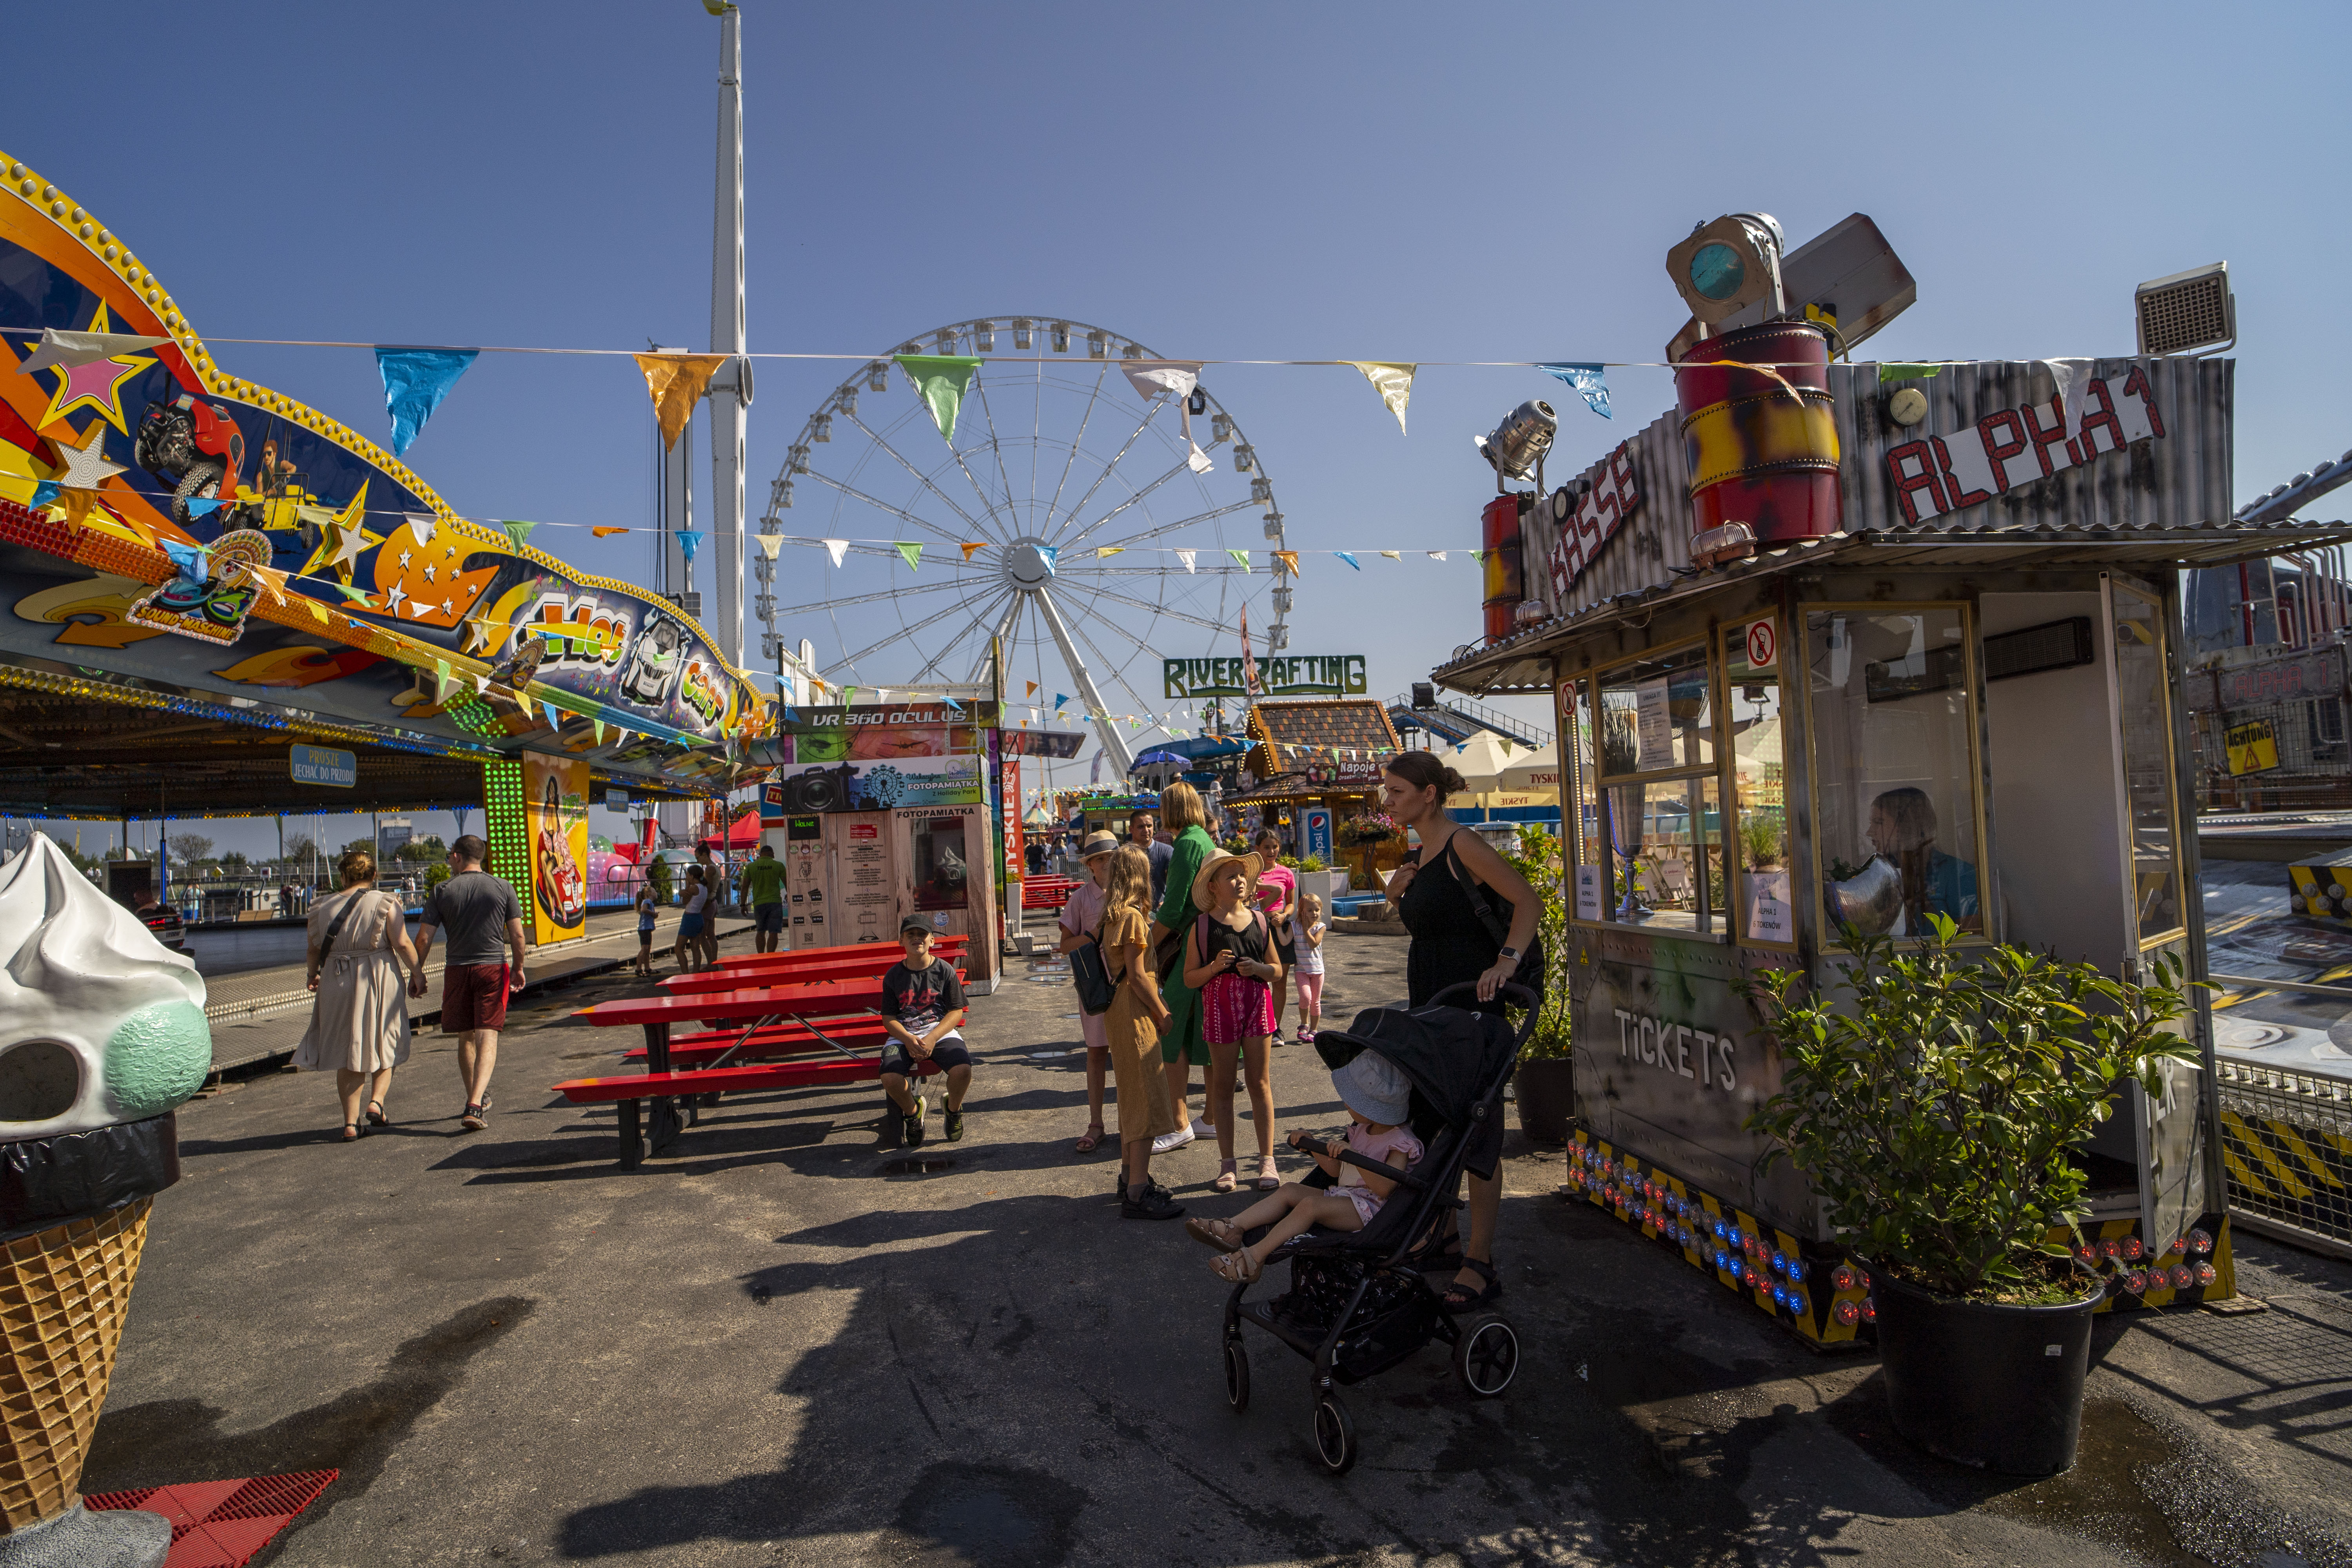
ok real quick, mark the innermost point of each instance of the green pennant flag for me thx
(942, 379)
(913, 553)
(349, 592)
(600, 730)
(516, 531)
(1893, 372)
(1241, 556)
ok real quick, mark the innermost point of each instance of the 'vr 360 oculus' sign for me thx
(1278, 675)
(2015, 447)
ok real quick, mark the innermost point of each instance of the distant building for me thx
(390, 834)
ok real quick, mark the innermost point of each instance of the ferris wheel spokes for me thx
(920, 477)
(1106, 728)
(856, 494)
(1150, 413)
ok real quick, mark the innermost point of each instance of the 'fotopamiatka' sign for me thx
(1278, 675)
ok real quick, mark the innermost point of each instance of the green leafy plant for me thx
(436, 874)
(658, 873)
(1539, 860)
(1313, 863)
(1935, 1104)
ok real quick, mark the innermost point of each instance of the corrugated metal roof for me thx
(2140, 474)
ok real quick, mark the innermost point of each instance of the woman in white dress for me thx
(359, 954)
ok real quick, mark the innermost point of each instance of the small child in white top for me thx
(1306, 929)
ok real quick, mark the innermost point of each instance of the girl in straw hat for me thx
(1230, 958)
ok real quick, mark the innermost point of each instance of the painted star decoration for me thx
(346, 536)
(97, 384)
(86, 467)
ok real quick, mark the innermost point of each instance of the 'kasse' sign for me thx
(1278, 675)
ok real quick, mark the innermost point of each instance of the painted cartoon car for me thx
(196, 446)
(654, 662)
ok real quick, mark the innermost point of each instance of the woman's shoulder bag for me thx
(1498, 923)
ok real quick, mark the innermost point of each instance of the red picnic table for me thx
(794, 974)
(804, 1005)
(874, 956)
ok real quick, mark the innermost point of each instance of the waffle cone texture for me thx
(64, 1294)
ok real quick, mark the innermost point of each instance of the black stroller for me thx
(1359, 1301)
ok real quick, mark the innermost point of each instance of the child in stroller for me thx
(1361, 1298)
(1378, 1100)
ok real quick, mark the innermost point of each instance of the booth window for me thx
(1659, 829)
(1655, 715)
(941, 865)
(1760, 816)
(2140, 689)
(1894, 772)
(1580, 806)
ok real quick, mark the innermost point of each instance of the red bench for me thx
(735, 980)
(1046, 893)
(760, 1007)
(854, 958)
(760, 1045)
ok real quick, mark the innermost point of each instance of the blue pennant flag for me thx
(792, 715)
(1058, 699)
(204, 508)
(952, 703)
(191, 559)
(1053, 554)
(1347, 558)
(690, 540)
(414, 382)
(44, 493)
(1589, 382)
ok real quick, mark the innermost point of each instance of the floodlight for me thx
(1022, 332)
(1518, 444)
(1729, 265)
(2188, 312)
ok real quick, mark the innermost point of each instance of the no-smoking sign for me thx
(1763, 645)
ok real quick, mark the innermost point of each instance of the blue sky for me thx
(1309, 181)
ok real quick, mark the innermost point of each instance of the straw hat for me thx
(1251, 867)
(1099, 842)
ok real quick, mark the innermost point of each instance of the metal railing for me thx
(1477, 715)
(2287, 1150)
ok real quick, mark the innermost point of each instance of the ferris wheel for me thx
(1077, 524)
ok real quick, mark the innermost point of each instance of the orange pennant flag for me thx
(676, 381)
(968, 549)
(1289, 558)
(607, 533)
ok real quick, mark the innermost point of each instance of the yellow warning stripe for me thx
(2261, 1150)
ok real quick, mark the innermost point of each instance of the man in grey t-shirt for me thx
(484, 920)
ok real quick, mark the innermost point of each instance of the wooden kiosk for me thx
(1946, 680)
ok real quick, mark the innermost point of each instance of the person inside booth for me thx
(1902, 830)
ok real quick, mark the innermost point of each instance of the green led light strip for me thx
(506, 826)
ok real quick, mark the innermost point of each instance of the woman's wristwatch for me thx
(1510, 953)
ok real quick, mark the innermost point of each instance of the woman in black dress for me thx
(1451, 947)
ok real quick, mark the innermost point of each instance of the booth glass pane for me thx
(1668, 838)
(1752, 695)
(941, 865)
(1894, 780)
(1655, 715)
(2140, 689)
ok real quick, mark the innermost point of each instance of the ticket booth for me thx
(1962, 697)
(882, 811)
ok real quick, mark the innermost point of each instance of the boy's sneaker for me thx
(910, 1126)
(1118, 1186)
(955, 1125)
(1156, 1205)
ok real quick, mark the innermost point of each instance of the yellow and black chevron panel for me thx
(2297, 1174)
(1813, 1289)
(2321, 892)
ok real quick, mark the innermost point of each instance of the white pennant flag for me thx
(837, 548)
(481, 685)
(2067, 374)
(1186, 556)
(882, 694)
(1199, 461)
(1150, 377)
(1393, 554)
(1392, 382)
(770, 543)
(1437, 555)
(420, 523)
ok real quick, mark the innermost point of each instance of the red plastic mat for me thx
(221, 1524)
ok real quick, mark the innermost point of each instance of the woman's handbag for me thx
(1097, 990)
(1530, 971)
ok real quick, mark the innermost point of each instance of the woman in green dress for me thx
(1181, 1046)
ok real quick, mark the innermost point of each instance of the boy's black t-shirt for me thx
(919, 998)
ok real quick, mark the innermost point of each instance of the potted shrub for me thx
(1935, 1104)
(1544, 1083)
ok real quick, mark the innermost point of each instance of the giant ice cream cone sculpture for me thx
(102, 1034)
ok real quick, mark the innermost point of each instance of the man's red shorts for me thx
(473, 996)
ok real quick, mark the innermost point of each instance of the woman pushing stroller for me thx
(1377, 1096)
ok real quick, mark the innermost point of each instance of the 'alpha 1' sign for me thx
(2014, 446)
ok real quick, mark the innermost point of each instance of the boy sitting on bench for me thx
(922, 1004)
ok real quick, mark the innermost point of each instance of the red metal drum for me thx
(1762, 442)
(1506, 583)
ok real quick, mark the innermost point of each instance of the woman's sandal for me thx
(1090, 1140)
(350, 1132)
(1459, 1298)
(1268, 1178)
(1226, 1181)
(1238, 1268)
(1220, 1235)
(376, 1115)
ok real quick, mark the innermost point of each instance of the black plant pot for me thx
(2000, 1388)
(1546, 1097)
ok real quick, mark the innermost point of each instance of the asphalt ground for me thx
(767, 1348)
